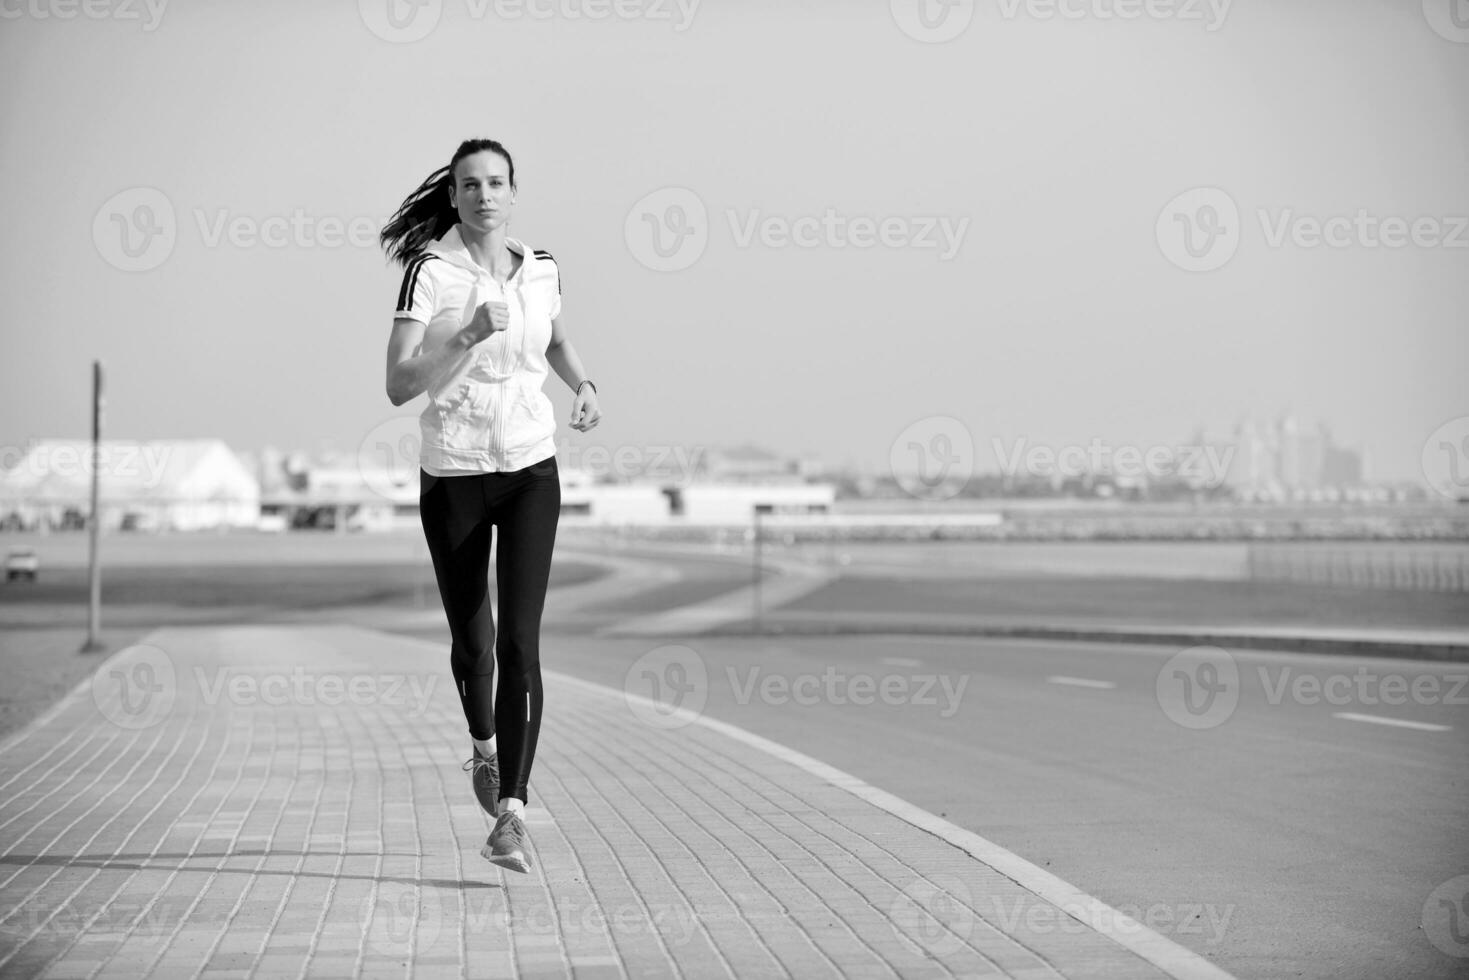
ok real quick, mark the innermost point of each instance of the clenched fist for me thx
(490, 317)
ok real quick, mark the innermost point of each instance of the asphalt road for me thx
(1262, 829)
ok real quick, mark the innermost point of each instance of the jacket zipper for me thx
(500, 416)
(497, 444)
(497, 429)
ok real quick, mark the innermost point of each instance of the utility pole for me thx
(755, 618)
(94, 569)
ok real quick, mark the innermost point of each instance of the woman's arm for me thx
(409, 372)
(562, 357)
(585, 413)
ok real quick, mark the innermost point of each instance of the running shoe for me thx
(485, 778)
(509, 845)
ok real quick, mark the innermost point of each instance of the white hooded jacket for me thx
(486, 412)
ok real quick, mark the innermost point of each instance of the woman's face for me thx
(482, 193)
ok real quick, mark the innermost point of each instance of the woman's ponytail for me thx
(427, 213)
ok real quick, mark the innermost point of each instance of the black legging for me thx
(457, 513)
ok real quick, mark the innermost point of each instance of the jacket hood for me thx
(451, 248)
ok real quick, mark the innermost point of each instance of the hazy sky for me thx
(1020, 272)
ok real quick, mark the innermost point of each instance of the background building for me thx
(1283, 459)
(162, 484)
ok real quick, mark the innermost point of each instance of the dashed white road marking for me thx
(1080, 682)
(1420, 726)
(902, 662)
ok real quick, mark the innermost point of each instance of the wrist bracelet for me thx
(587, 381)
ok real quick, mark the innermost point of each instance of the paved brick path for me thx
(287, 801)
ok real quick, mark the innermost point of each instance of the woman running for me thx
(477, 326)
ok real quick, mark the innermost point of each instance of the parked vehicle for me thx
(137, 521)
(272, 523)
(22, 563)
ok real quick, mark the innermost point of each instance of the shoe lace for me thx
(511, 828)
(478, 762)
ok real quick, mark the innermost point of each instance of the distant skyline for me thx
(801, 226)
(1226, 457)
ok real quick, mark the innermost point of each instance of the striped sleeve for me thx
(416, 295)
(545, 256)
